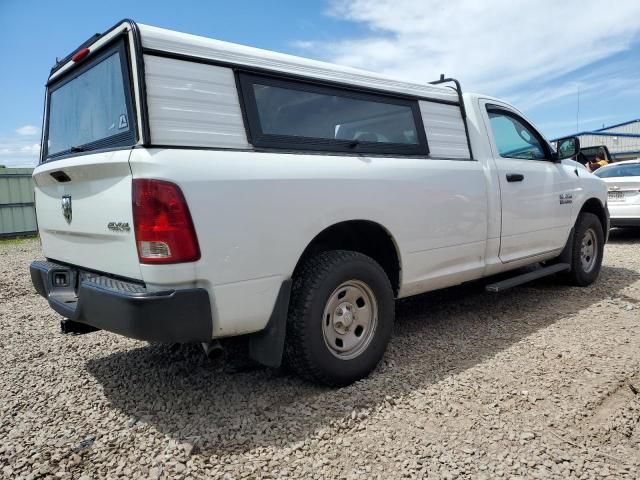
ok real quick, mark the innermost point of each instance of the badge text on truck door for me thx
(566, 198)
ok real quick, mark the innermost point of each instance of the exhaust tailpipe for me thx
(213, 349)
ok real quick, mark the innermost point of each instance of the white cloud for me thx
(498, 47)
(18, 149)
(304, 44)
(16, 152)
(33, 149)
(27, 130)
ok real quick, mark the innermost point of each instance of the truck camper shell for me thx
(160, 59)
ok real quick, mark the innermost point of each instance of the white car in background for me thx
(623, 183)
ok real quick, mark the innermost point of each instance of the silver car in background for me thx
(623, 183)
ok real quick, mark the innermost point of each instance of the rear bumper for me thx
(126, 308)
(625, 222)
(624, 215)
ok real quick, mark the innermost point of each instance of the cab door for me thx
(536, 191)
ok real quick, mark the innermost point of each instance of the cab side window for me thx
(514, 138)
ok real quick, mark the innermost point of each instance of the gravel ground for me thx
(536, 382)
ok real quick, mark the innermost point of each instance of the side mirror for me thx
(567, 148)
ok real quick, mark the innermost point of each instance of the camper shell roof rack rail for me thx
(463, 110)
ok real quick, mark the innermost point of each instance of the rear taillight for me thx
(162, 222)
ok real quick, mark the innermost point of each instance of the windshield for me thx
(92, 110)
(628, 170)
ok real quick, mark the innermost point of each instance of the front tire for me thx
(340, 318)
(587, 252)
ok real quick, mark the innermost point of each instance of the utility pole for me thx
(578, 112)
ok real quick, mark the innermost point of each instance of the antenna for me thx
(578, 112)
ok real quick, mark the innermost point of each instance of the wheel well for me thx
(366, 237)
(594, 206)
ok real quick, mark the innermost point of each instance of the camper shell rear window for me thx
(90, 107)
(299, 115)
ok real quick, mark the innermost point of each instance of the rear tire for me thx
(588, 248)
(340, 318)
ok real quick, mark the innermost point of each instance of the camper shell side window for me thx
(299, 115)
(90, 108)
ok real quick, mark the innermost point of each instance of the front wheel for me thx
(340, 318)
(588, 248)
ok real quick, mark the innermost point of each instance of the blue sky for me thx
(538, 55)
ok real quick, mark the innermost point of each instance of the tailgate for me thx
(623, 190)
(84, 212)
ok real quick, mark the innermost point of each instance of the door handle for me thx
(515, 177)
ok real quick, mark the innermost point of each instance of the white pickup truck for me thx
(191, 189)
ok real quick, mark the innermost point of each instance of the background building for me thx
(622, 140)
(17, 211)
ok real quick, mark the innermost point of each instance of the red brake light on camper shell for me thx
(162, 223)
(80, 54)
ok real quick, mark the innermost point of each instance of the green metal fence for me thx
(17, 211)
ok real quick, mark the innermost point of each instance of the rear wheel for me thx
(588, 247)
(340, 318)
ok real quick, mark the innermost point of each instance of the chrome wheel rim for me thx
(350, 319)
(588, 250)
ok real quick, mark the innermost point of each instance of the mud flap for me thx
(266, 347)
